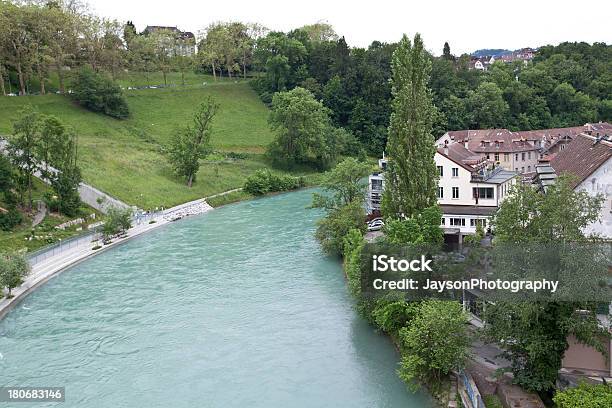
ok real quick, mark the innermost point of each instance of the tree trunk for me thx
(41, 79)
(214, 70)
(22, 90)
(29, 192)
(60, 75)
(164, 74)
(190, 180)
(183, 77)
(2, 80)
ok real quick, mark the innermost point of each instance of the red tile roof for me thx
(584, 155)
(506, 141)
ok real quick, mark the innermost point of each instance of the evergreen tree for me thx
(412, 176)
(446, 54)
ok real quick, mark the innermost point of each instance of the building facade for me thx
(470, 189)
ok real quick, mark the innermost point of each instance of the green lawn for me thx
(124, 158)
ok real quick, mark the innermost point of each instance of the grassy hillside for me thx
(124, 158)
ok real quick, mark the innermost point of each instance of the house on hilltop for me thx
(185, 40)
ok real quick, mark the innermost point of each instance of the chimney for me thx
(446, 150)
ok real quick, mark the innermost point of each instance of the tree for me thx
(344, 185)
(421, 228)
(560, 215)
(98, 93)
(13, 269)
(446, 52)
(118, 221)
(192, 143)
(489, 110)
(538, 330)
(22, 149)
(332, 229)
(435, 343)
(304, 132)
(412, 176)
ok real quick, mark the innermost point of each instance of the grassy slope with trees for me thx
(141, 175)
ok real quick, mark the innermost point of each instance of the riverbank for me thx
(49, 267)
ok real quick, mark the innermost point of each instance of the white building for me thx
(469, 189)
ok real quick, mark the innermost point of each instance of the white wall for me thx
(447, 182)
(600, 182)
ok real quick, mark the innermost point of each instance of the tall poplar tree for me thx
(412, 177)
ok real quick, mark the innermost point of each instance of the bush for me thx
(353, 246)
(585, 396)
(435, 343)
(393, 316)
(10, 219)
(332, 229)
(99, 94)
(263, 181)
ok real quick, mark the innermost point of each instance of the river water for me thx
(234, 308)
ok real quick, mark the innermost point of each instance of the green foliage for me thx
(100, 94)
(332, 229)
(343, 184)
(534, 335)
(192, 143)
(391, 317)
(353, 243)
(263, 181)
(585, 396)
(435, 343)
(10, 219)
(559, 215)
(66, 187)
(488, 107)
(304, 131)
(118, 221)
(13, 269)
(412, 176)
(419, 229)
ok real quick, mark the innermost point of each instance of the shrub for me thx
(99, 94)
(263, 181)
(332, 229)
(10, 219)
(435, 343)
(353, 246)
(392, 316)
(585, 396)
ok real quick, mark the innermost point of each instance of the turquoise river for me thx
(234, 308)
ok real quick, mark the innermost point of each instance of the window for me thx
(522, 169)
(496, 157)
(523, 156)
(516, 157)
(441, 171)
(506, 156)
(528, 168)
(487, 156)
(457, 222)
(455, 192)
(483, 192)
(529, 155)
(442, 221)
(477, 221)
(440, 192)
(377, 184)
(455, 171)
